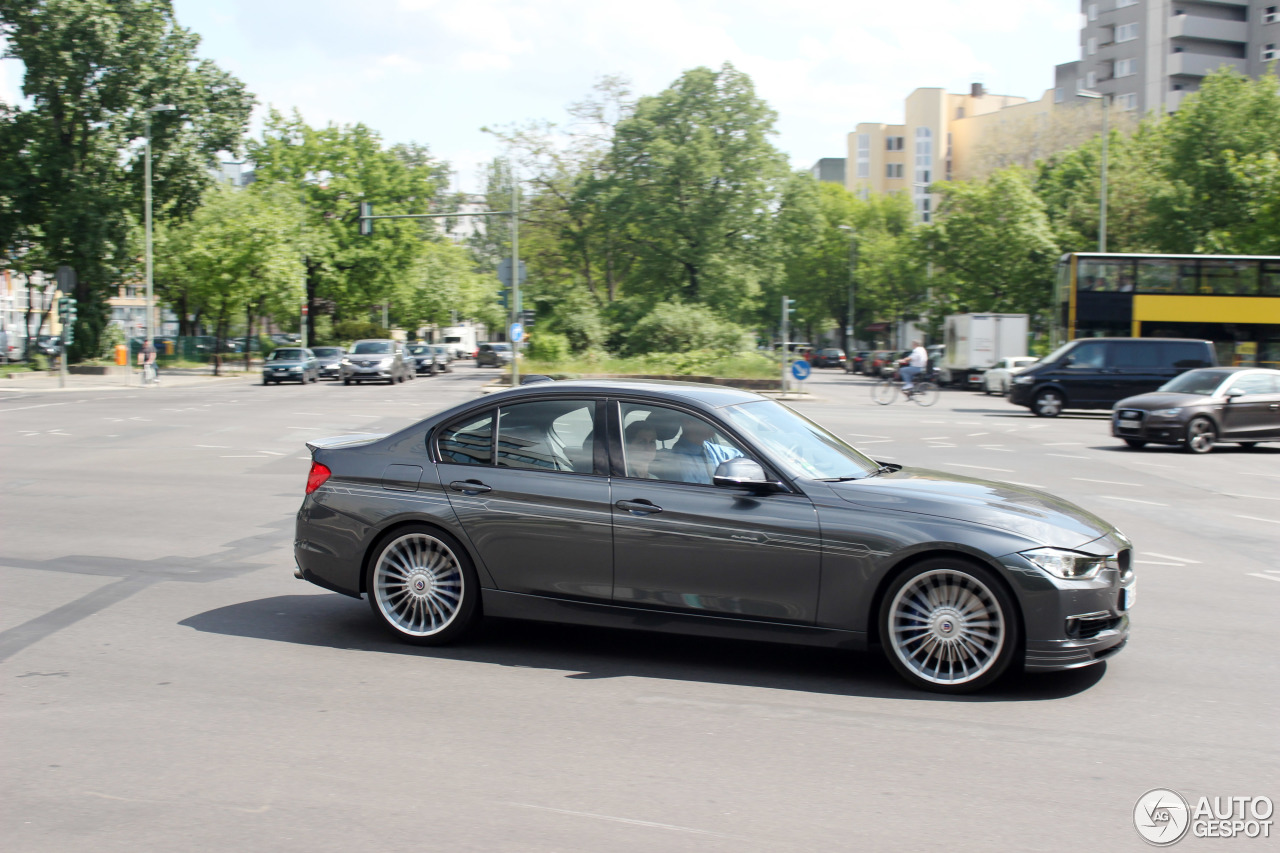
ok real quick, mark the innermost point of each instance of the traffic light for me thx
(366, 224)
(69, 326)
(502, 299)
(527, 317)
(790, 305)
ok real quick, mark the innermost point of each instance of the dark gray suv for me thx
(700, 509)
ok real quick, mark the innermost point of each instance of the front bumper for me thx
(1143, 426)
(1075, 623)
(284, 375)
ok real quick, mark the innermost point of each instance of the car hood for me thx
(1028, 512)
(1162, 400)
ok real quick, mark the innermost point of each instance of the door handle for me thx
(641, 506)
(471, 486)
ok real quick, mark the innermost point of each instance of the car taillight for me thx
(316, 479)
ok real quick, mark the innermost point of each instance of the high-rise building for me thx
(1147, 55)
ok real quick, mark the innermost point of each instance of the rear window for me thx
(325, 352)
(1136, 354)
(1184, 354)
(468, 442)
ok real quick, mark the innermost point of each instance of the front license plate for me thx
(1128, 417)
(1129, 593)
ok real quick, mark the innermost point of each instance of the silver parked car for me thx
(378, 360)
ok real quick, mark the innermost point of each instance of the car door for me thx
(1087, 379)
(1254, 415)
(1137, 367)
(534, 498)
(682, 544)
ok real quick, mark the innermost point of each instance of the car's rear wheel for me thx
(948, 626)
(1049, 403)
(1201, 435)
(422, 586)
(1135, 443)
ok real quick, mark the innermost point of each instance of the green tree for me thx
(333, 170)
(693, 182)
(72, 178)
(992, 246)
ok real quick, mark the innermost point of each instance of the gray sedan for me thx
(701, 509)
(375, 360)
(1204, 407)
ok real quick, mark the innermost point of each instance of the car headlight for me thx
(1024, 380)
(1167, 413)
(347, 362)
(1068, 565)
(295, 369)
(386, 362)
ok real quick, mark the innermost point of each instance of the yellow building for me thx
(944, 137)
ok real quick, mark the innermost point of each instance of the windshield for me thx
(1203, 382)
(501, 348)
(1058, 353)
(287, 355)
(325, 352)
(419, 350)
(797, 444)
(367, 347)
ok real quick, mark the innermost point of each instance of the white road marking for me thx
(1171, 557)
(1264, 577)
(1066, 456)
(879, 441)
(41, 406)
(310, 414)
(1131, 500)
(936, 438)
(627, 820)
(866, 435)
(1106, 482)
(1252, 497)
(980, 467)
(1260, 474)
(272, 452)
(1159, 563)
(1152, 464)
(1060, 443)
(942, 445)
(972, 434)
(1255, 518)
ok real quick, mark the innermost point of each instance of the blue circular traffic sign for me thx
(517, 333)
(800, 369)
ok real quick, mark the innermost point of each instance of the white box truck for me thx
(976, 342)
(461, 340)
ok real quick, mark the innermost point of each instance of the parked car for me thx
(575, 501)
(375, 360)
(424, 359)
(494, 355)
(290, 364)
(892, 362)
(445, 354)
(877, 360)
(47, 345)
(1202, 408)
(856, 361)
(829, 357)
(1096, 373)
(998, 379)
(330, 361)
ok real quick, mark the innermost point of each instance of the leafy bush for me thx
(674, 328)
(548, 346)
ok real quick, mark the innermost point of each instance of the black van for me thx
(1096, 373)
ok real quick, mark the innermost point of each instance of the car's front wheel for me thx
(1049, 403)
(949, 626)
(422, 586)
(1201, 435)
(1135, 443)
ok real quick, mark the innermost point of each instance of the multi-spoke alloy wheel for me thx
(1201, 435)
(422, 586)
(948, 627)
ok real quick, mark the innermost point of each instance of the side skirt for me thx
(512, 605)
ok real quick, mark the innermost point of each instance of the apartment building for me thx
(1147, 55)
(938, 141)
(828, 170)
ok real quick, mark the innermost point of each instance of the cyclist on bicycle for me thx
(916, 362)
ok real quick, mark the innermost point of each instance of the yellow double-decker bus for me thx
(1232, 300)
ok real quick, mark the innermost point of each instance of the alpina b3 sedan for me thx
(706, 510)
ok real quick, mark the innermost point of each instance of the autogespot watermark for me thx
(1163, 817)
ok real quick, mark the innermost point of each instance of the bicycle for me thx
(922, 393)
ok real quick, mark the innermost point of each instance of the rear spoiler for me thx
(351, 440)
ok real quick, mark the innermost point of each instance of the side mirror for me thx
(742, 472)
(1233, 393)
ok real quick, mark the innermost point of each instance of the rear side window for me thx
(468, 442)
(1185, 354)
(1135, 354)
(549, 435)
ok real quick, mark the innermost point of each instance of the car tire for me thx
(422, 586)
(947, 612)
(1049, 403)
(1201, 435)
(1135, 443)
(1248, 445)
(266, 381)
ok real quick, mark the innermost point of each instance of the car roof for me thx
(713, 396)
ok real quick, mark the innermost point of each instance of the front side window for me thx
(468, 442)
(1088, 356)
(659, 443)
(1254, 383)
(548, 435)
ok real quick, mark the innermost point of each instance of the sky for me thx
(437, 71)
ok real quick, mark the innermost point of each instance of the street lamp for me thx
(1102, 196)
(849, 341)
(147, 193)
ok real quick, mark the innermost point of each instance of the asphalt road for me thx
(166, 684)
